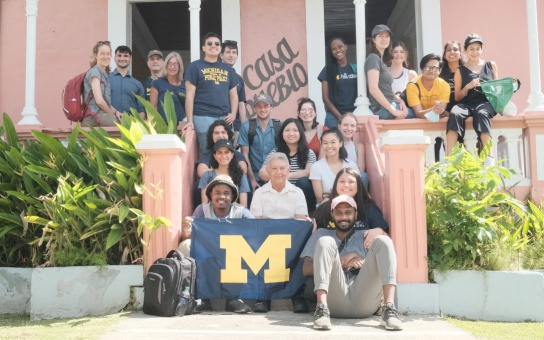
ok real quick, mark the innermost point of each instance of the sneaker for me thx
(237, 306)
(204, 305)
(390, 318)
(261, 306)
(322, 317)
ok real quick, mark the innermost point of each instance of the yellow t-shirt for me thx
(439, 91)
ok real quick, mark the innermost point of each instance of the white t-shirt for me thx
(352, 151)
(322, 172)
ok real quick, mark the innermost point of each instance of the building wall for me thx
(66, 33)
(503, 27)
(274, 58)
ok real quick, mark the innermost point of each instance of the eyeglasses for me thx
(217, 43)
(105, 42)
(431, 68)
(172, 65)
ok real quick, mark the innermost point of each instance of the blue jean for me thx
(384, 114)
(330, 120)
(364, 178)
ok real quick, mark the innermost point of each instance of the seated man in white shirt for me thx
(279, 199)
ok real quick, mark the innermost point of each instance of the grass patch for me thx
(93, 327)
(500, 330)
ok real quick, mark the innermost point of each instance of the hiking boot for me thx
(390, 318)
(204, 305)
(322, 318)
(237, 306)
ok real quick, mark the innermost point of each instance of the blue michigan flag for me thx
(248, 258)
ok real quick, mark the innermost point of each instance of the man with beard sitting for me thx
(349, 278)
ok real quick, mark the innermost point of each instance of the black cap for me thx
(472, 38)
(223, 143)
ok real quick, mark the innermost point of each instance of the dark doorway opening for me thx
(165, 26)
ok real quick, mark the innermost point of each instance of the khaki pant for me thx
(354, 296)
(106, 119)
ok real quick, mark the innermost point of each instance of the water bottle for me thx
(183, 302)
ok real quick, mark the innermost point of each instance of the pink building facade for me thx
(282, 50)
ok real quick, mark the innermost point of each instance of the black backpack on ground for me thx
(165, 281)
(253, 129)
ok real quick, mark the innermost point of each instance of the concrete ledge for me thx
(15, 290)
(70, 292)
(492, 295)
(418, 298)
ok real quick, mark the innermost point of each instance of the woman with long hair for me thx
(451, 61)
(399, 68)
(324, 170)
(292, 142)
(471, 101)
(338, 82)
(171, 81)
(369, 216)
(383, 101)
(224, 163)
(97, 90)
(356, 151)
(307, 116)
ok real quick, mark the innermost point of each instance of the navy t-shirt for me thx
(147, 87)
(178, 95)
(346, 87)
(213, 82)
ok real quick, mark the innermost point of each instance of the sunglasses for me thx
(105, 42)
(217, 43)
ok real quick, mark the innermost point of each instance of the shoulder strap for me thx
(252, 130)
(277, 125)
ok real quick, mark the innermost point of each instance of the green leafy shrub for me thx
(75, 203)
(472, 222)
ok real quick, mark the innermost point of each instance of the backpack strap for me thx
(277, 126)
(252, 130)
(91, 96)
(175, 254)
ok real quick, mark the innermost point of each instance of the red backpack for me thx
(73, 105)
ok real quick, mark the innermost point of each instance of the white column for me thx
(231, 27)
(536, 98)
(194, 8)
(315, 47)
(30, 114)
(362, 103)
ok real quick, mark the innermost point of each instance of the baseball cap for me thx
(223, 143)
(343, 199)
(263, 97)
(472, 38)
(222, 179)
(154, 52)
(379, 29)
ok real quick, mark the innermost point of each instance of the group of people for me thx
(298, 168)
(448, 86)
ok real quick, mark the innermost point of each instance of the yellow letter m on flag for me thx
(272, 250)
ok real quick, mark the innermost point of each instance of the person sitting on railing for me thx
(428, 94)
(472, 102)
(221, 192)
(451, 60)
(383, 102)
(399, 68)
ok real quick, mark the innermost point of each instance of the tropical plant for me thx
(81, 197)
(472, 222)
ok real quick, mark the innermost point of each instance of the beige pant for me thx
(106, 119)
(354, 296)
